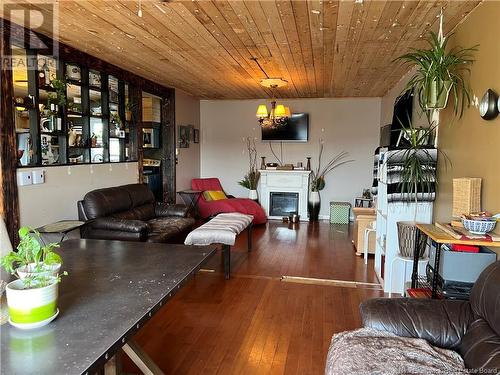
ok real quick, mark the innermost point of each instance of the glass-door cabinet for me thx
(66, 113)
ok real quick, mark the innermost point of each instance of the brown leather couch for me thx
(472, 328)
(130, 213)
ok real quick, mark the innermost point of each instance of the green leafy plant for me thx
(115, 119)
(33, 253)
(60, 86)
(440, 73)
(318, 176)
(251, 179)
(418, 161)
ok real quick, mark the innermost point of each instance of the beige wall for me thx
(345, 124)
(187, 112)
(472, 143)
(64, 186)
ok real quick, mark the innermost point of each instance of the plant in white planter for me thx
(32, 299)
(251, 179)
(318, 180)
(439, 73)
(417, 178)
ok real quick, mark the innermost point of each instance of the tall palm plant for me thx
(440, 73)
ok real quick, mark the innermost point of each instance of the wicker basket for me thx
(466, 196)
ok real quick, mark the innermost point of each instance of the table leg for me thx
(416, 250)
(435, 274)
(249, 239)
(114, 365)
(226, 257)
(141, 359)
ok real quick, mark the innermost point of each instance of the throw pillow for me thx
(214, 195)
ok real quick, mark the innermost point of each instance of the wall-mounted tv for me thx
(296, 129)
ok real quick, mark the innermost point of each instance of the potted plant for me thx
(417, 177)
(59, 86)
(251, 179)
(440, 73)
(129, 108)
(32, 298)
(250, 182)
(318, 180)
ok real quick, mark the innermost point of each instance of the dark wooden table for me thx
(112, 289)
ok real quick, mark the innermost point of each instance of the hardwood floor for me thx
(255, 323)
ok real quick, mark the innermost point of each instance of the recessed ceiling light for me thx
(315, 11)
(93, 32)
(130, 36)
(358, 1)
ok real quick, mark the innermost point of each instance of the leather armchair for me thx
(472, 328)
(130, 213)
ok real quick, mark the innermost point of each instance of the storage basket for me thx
(340, 212)
(466, 196)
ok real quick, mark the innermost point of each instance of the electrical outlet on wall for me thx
(38, 176)
(24, 178)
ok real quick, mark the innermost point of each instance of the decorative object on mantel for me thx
(278, 114)
(263, 162)
(308, 165)
(440, 73)
(488, 107)
(318, 180)
(466, 196)
(251, 179)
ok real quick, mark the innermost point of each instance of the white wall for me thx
(187, 112)
(64, 186)
(345, 124)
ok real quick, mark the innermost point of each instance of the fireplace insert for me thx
(282, 204)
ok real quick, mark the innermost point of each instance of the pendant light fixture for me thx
(278, 114)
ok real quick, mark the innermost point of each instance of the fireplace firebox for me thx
(282, 204)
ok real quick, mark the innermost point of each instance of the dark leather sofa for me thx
(130, 213)
(472, 328)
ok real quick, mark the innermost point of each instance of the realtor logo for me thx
(33, 28)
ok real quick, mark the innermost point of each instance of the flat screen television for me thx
(296, 129)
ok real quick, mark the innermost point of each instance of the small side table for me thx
(190, 199)
(62, 227)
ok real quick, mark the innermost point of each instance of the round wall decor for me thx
(488, 107)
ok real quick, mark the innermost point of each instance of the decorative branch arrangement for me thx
(251, 179)
(318, 175)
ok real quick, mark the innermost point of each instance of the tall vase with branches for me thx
(318, 179)
(251, 179)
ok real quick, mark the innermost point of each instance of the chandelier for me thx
(279, 114)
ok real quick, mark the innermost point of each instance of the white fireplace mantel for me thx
(284, 181)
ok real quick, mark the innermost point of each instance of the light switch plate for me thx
(38, 176)
(24, 178)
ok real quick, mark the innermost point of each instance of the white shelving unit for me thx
(387, 244)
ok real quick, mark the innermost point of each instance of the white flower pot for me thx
(29, 306)
(49, 270)
(252, 194)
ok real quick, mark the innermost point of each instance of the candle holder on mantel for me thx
(263, 162)
(308, 166)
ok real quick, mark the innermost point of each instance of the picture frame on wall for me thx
(196, 135)
(184, 135)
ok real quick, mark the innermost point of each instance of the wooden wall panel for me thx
(9, 200)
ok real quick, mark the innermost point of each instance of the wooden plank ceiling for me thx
(322, 48)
